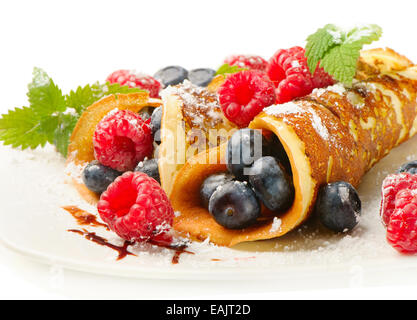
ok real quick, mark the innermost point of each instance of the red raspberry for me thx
(393, 184)
(289, 72)
(122, 139)
(244, 94)
(402, 227)
(135, 80)
(136, 208)
(250, 62)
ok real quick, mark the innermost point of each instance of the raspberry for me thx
(122, 139)
(134, 80)
(136, 208)
(393, 184)
(402, 227)
(251, 62)
(289, 72)
(244, 94)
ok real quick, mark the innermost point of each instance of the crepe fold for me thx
(334, 134)
(192, 121)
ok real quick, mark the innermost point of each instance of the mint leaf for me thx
(84, 97)
(51, 117)
(228, 69)
(115, 88)
(62, 132)
(337, 51)
(22, 127)
(364, 34)
(321, 42)
(44, 96)
(341, 61)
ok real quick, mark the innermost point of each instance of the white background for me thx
(79, 42)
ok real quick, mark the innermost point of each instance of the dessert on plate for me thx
(248, 152)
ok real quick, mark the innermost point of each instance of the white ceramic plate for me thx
(33, 189)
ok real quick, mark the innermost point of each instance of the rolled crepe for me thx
(334, 134)
(192, 121)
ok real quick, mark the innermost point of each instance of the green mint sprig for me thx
(228, 69)
(337, 51)
(51, 115)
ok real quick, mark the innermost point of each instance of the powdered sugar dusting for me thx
(337, 36)
(295, 64)
(36, 180)
(362, 31)
(319, 92)
(74, 171)
(201, 107)
(293, 108)
(318, 125)
(336, 88)
(286, 108)
(112, 112)
(276, 225)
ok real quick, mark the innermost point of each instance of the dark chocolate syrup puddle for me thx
(85, 218)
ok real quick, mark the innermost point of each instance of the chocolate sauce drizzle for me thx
(179, 250)
(85, 218)
(92, 236)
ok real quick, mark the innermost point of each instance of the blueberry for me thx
(97, 177)
(274, 148)
(338, 206)
(409, 167)
(201, 77)
(244, 147)
(210, 185)
(234, 205)
(149, 167)
(156, 124)
(272, 185)
(172, 75)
